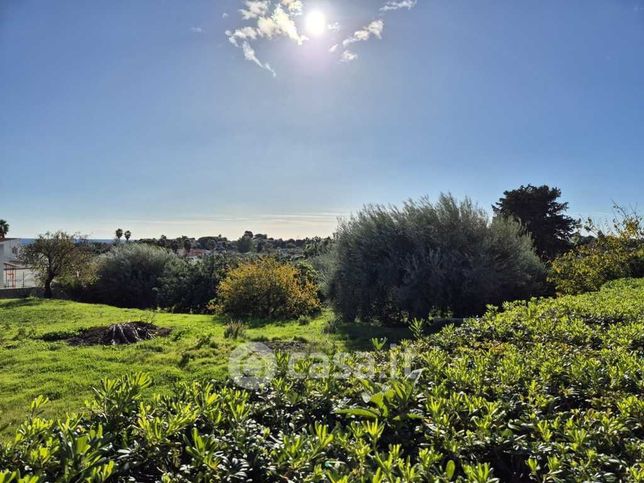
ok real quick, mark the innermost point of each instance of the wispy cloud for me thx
(249, 54)
(294, 7)
(348, 56)
(270, 19)
(398, 4)
(266, 20)
(244, 33)
(255, 9)
(196, 30)
(279, 24)
(374, 29)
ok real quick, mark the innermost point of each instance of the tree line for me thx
(386, 263)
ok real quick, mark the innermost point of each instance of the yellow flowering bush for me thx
(613, 255)
(267, 288)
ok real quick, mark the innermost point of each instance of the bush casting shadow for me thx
(24, 302)
(358, 335)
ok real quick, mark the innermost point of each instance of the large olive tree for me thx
(423, 257)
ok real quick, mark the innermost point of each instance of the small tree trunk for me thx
(48, 293)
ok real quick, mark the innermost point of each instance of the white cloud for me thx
(244, 33)
(268, 20)
(249, 54)
(398, 4)
(197, 30)
(255, 8)
(287, 25)
(348, 56)
(279, 24)
(272, 19)
(295, 7)
(374, 28)
(267, 27)
(224, 15)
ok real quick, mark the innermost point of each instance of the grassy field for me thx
(31, 364)
(543, 390)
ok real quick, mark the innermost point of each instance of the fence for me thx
(18, 277)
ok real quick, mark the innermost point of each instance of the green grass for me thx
(540, 390)
(195, 349)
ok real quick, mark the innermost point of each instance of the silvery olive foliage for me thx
(425, 256)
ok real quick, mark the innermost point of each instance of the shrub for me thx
(234, 330)
(267, 288)
(80, 286)
(546, 391)
(128, 275)
(607, 256)
(392, 263)
(304, 320)
(189, 286)
(331, 326)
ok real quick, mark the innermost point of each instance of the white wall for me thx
(9, 250)
(2, 264)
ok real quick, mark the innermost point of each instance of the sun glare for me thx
(316, 23)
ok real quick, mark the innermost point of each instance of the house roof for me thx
(197, 252)
(13, 264)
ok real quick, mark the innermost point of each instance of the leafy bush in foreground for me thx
(427, 256)
(267, 288)
(545, 390)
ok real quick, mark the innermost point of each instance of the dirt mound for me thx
(118, 334)
(287, 345)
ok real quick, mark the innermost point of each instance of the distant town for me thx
(15, 275)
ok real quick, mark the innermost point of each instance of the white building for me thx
(12, 273)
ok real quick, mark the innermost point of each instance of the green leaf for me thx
(450, 468)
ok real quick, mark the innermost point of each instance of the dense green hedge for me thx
(548, 390)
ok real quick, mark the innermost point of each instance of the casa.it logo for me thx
(251, 365)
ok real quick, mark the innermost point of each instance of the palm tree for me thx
(127, 234)
(4, 228)
(187, 245)
(119, 234)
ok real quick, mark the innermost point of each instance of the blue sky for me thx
(144, 115)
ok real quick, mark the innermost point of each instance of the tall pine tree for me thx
(538, 210)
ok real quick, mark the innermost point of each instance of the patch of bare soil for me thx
(287, 345)
(119, 334)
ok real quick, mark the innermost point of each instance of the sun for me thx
(316, 23)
